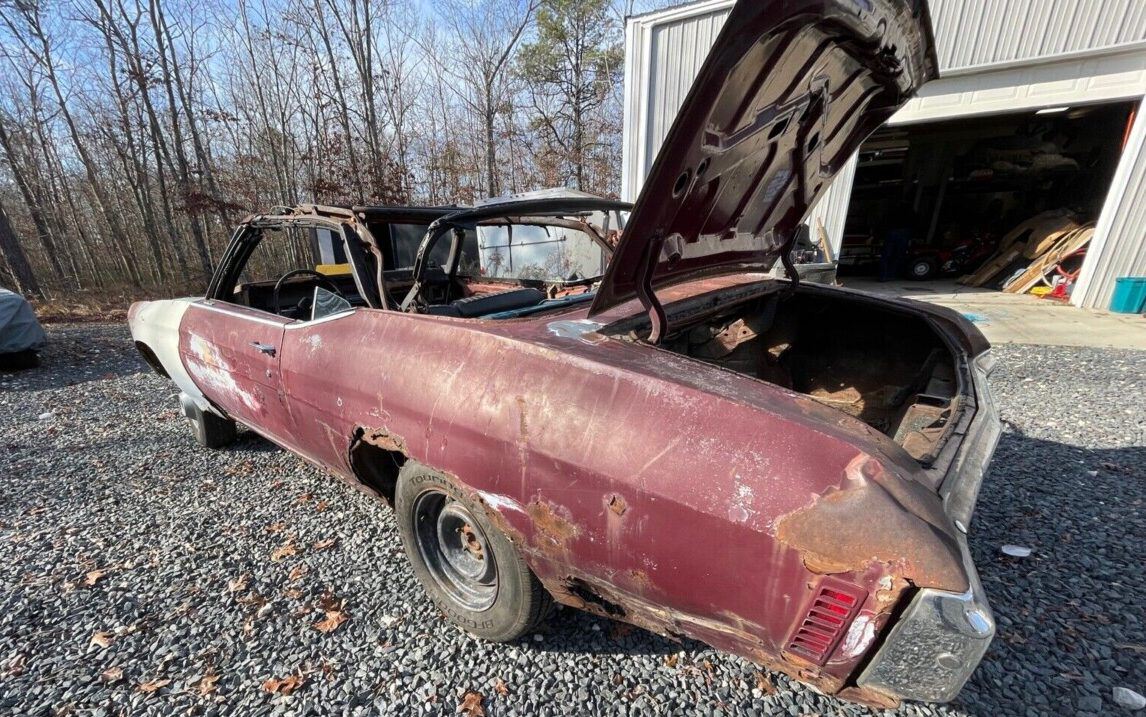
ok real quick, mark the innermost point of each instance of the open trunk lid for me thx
(787, 94)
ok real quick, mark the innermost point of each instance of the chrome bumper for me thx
(935, 645)
(940, 638)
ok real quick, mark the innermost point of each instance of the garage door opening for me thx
(1005, 202)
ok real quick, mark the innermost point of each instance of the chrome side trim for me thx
(210, 305)
(960, 489)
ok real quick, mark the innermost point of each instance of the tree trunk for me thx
(43, 231)
(16, 259)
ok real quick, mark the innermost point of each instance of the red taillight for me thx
(827, 619)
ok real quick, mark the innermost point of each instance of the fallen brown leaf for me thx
(15, 666)
(500, 687)
(330, 623)
(94, 577)
(325, 544)
(276, 527)
(671, 660)
(304, 497)
(471, 704)
(207, 683)
(154, 686)
(284, 685)
(112, 674)
(239, 583)
(321, 506)
(764, 683)
(249, 626)
(1140, 649)
(297, 573)
(103, 639)
(284, 551)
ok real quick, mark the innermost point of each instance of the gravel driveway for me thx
(140, 574)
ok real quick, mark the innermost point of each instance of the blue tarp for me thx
(19, 329)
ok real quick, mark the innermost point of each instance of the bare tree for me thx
(14, 257)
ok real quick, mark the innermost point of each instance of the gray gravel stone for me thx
(113, 520)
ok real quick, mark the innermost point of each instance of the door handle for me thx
(264, 348)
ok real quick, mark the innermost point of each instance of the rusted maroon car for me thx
(652, 429)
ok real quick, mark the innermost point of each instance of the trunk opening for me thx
(888, 368)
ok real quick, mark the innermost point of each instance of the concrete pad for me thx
(1019, 318)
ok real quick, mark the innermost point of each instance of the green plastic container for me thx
(1129, 295)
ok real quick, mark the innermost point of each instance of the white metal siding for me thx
(665, 50)
(970, 33)
(976, 41)
(1119, 244)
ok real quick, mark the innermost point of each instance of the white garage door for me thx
(1065, 82)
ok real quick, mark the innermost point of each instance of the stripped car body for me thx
(685, 443)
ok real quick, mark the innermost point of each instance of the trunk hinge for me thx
(786, 259)
(645, 293)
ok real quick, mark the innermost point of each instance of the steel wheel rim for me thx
(455, 550)
(921, 268)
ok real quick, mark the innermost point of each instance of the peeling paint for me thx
(859, 636)
(210, 368)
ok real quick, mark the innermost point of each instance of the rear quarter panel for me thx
(656, 480)
(155, 324)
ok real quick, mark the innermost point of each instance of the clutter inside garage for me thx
(1002, 202)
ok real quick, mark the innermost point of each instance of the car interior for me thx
(503, 267)
(498, 269)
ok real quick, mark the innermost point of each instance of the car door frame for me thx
(224, 368)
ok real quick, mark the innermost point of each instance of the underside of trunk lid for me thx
(785, 97)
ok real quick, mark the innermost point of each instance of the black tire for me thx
(513, 605)
(210, 431)
(20, 360)
(922, 268)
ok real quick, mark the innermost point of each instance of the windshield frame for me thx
(562, 212)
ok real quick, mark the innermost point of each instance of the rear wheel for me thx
(923, 267)
(467, 566)
(210, 431)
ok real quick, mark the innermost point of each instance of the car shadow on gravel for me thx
(574, 631)
(79, 354)
(1071, 616)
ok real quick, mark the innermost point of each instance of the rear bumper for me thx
(935, 644)
(940, 638)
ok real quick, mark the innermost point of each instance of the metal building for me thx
(998, 58)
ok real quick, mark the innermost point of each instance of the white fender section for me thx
(156, 324)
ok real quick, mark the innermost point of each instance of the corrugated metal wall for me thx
(664, 51)
(970, 33)
(1119, 244)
